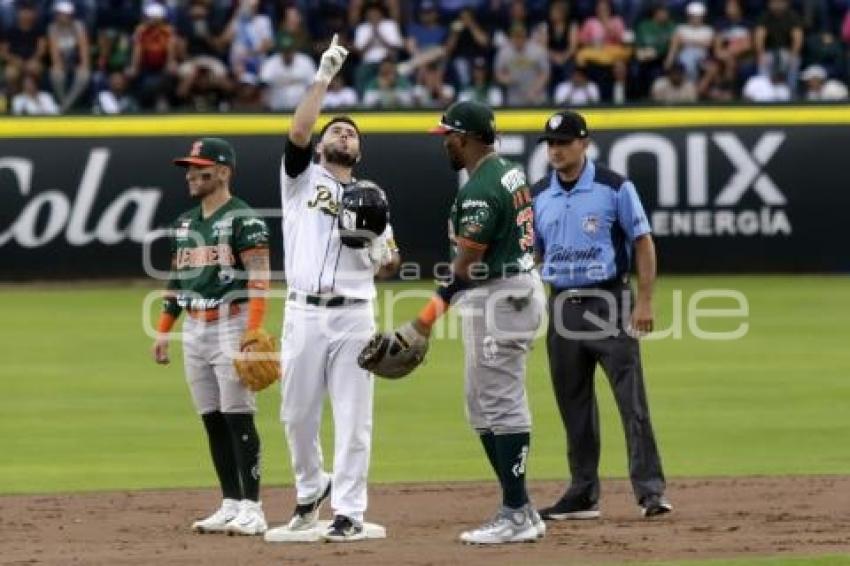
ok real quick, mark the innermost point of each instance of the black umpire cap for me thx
(566, 126)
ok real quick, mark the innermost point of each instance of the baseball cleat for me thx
(250, 521)
(216, 522)
(306, 515)
(654, 505)
(509, 525)
(537, 521)
(344, 529)
(571, 507)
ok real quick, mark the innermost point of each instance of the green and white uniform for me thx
(208, 275)
(502, 313)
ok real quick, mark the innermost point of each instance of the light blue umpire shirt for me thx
(585, 235)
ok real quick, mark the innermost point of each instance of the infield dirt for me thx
(713, 518)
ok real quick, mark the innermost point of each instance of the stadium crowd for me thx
(119, 56)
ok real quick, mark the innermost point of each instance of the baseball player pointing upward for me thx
(329, 315)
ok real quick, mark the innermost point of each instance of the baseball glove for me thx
(394, 354)
(258, 363)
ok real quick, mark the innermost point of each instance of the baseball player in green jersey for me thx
(501, 301)
(219, 275)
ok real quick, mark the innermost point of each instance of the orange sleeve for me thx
(165, 322)
(256, 303)
(432, 311)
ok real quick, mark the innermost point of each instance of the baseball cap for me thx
(814, 72)
(64, 7)
(566, 125)
(468, 117)
(154, 11)
(695, 9)
(209, 151)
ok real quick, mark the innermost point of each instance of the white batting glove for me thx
(379, 253)
(331, 62)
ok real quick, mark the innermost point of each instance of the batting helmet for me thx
(363, 214)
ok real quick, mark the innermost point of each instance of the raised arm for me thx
(308, 109)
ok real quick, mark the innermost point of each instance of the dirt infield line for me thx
(713, 518)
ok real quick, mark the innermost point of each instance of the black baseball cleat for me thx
(344, 529)
(654, 505)
(571, 507)
(306, 515)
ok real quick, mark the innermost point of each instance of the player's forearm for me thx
(645, 262)
(256, 262)
(307, 113)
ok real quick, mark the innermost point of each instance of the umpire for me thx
(588, 223)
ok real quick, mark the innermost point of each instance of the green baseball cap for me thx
(209, 151)
(468, 117)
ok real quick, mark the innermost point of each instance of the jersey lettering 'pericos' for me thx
(315, 259)
(493, 209)
(205, 254)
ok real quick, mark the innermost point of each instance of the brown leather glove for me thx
(258, 362)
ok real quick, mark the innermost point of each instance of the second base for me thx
(282, 534)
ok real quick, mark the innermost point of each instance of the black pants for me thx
(575, 345)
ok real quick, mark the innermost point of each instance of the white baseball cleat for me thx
(537, 521)
(250, 521)
(509, 525)
(216, 522)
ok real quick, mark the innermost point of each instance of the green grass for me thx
(84, 408)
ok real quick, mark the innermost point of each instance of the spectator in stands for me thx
(70, 55)
(559, 35)
(427, 32)
(31, 101)
(392, 9)
(577, 91)
(482, 89)
(431, 91)
(200, 43)
(675, 87)
(388, 89)
(153, 65)
(115, 99)
(652, 41)
(817, 85)
(517, 15)
(845, 28)
(116, 15)
(339, 94)
(376, 38)
(823, 48)
(692, 41)
(23, 47)
(286, 75)
(622, 89)
(468, 39)
(779, 40)
(248, 96)
(206, 92)
(601, 38)
(522, 67)
(733, 43)
(116, 21)
(714, 85)
(292, 24)
(250, 36)
(769, 88)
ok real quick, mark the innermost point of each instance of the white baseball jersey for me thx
(315, 259)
